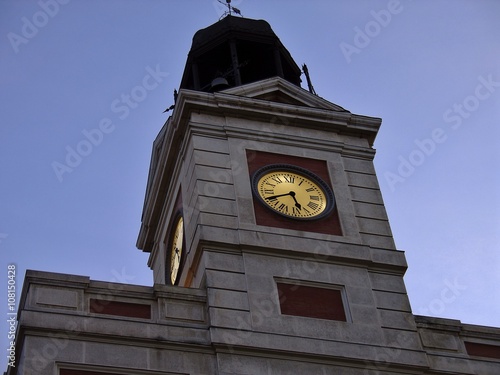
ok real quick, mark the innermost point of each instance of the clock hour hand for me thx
(297, 204)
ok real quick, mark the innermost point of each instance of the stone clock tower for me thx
(283, 222)
(269, 243)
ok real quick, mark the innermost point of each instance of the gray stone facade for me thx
(226, 329)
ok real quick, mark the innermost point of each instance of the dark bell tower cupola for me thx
(235, 51)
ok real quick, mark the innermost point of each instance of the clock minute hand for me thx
(279, 195)
(291, 193)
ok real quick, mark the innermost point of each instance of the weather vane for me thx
(230, 9)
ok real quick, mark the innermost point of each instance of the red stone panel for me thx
(131, 310)
(311, 302)
(482, 350)
(84, 372)
(263, 216)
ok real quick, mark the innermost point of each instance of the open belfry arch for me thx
(269, 243)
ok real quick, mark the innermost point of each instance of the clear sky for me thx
(429, 69)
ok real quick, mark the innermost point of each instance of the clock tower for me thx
(268, 239)
(265, 195)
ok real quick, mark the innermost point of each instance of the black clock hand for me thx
(297, 204)
(280, 195)
(291, 193)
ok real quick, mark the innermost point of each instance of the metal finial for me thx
(308, 78)
(230, 9)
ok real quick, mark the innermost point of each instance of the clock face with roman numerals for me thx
(176, 250)
(293, 192)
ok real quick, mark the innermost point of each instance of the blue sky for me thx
(429, 69)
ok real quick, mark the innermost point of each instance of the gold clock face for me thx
(293, 192)
(176, 250)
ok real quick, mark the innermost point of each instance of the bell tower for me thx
(236, 51)
(264, 195)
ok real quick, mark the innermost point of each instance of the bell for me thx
(219, 83)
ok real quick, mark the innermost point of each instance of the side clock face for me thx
(176, 250)
(293, 192)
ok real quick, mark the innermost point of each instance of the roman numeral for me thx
(268, 191)
(313, 205)
(314, 197)
(289, 179)
(283, 207)
(310, 189)
(267, 183)
(277, 179)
